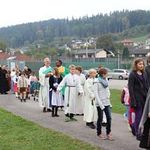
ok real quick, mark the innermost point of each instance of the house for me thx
(91, 53)
(3, 55)
(127, 43)
(147, 43)
(18, 57)
(77, 44)
(139, 52)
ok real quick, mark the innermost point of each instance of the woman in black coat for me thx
(138, 88)
(145, 125)
(3, 81)
(147, 69)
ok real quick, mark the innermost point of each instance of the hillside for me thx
(122, 22)
(138, 33)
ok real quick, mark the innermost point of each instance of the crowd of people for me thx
(88, 96)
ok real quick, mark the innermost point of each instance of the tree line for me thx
(98, 25)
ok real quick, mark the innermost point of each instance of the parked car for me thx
(109, 76)
(86, 73)
(119, 74)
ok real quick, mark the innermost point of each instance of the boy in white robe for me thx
(44, 74)
(73, 89)
(90, 112)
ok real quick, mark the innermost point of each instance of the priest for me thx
(44, 73)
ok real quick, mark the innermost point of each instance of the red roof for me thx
(20, 57)
(23, 57)
(3, 56)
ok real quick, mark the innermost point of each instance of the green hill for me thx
(125, 23)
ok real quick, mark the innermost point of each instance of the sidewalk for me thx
(31, 111)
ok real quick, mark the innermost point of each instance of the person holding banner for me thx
(44, 73)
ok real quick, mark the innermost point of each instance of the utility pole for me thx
(118, 59)
(86, 49)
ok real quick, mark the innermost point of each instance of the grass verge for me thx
(18, 134)
(116, 101)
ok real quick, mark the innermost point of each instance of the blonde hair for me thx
(46, 59)
(92, 70)
(72, 67)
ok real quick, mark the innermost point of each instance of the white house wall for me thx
(101, 54)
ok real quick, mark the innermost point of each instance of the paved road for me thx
(117, 84)
(31, 111)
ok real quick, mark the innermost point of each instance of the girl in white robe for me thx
(90, 112)
(80, 100)
(73, 89)
(56, 98)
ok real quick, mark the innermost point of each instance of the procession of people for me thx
(67, 89)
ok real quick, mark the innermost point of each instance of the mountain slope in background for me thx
(122, 22)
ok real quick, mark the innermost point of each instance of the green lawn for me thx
(116, 102)
(19, 134)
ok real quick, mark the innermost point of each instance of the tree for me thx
(125, 53)
(3, 46)
(48, 31)
(105, 42)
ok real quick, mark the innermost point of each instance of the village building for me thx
(127, 43)
(91, 53)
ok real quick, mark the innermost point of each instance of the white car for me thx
(119, 74)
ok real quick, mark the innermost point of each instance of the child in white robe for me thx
(73, 89)
(90, 112)
(56, 97)
(80, 100)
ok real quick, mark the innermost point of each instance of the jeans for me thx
(107, 111)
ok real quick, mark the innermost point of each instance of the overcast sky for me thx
(22, 11)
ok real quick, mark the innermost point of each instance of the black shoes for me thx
(44, 109)
(90, 125)
(49, 110)
(53, 115)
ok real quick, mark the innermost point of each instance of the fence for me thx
(86, 63)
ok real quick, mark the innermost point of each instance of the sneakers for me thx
(102, 137)
(109, 137)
